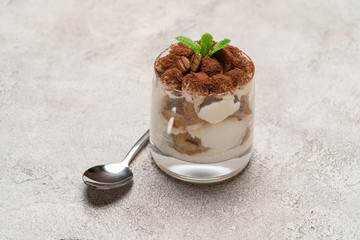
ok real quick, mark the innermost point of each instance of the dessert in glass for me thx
(202, 112)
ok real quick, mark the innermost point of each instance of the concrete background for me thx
(75, 81)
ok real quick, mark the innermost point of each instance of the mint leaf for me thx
(219, 46)
(206, 42)
(194, 46)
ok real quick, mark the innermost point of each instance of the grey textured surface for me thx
(75, 81)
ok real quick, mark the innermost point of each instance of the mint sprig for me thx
(205, 44)
(194, 46)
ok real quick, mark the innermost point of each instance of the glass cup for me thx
(201, 138)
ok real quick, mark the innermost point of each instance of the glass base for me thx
(200, 172)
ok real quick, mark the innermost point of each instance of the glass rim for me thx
(201, 94)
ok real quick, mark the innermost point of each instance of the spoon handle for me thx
(136, 148)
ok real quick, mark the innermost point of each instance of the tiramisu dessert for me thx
(202, 105)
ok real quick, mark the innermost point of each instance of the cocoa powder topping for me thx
(202, 83)
(196, 83)
(220, 83)
(181, 49)
(224, 71)
(225, 57)
(172, 77)
(211, 66)
(166, 62)
(238, 77)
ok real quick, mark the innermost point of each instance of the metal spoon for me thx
(116, 174)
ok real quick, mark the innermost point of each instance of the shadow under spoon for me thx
(114, 175)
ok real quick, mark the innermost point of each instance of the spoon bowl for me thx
(114, 175)
(108, 176)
